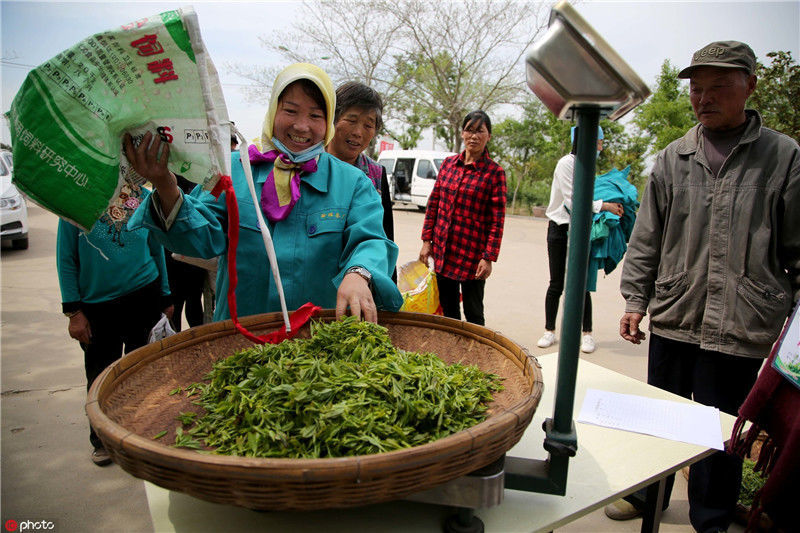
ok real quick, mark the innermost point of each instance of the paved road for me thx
(46, 471)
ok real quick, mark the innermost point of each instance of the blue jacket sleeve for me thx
(157, 253)
(67, 262)
(198, 230)
(366, 245)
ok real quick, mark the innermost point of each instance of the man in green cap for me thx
(715, 258)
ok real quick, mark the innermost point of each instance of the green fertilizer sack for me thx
(68, 119)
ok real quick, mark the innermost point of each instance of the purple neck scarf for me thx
(270, 202)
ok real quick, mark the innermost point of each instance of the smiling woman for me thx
(324, 214)
(358, 118)
(300, 118)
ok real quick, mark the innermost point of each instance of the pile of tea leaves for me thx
(345, 391)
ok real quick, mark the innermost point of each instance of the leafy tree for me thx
(529, 149)
(436, 80)
(434, 61)
(622, 149)
(410, 134)
(667, 114)
(777, 94)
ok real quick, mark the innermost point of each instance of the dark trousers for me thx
(557, 257)
(186, 285)
(711, 378)
(471, 291)
(118, 325)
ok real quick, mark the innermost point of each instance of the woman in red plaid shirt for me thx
(464, 221)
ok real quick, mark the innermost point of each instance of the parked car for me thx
(412, 173)
(6, 155)
(13, 210)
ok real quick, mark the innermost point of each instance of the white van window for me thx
(438, 163)
(4, 171)
(425, 169)
(8, 159)
(406, 165)
(388, 164)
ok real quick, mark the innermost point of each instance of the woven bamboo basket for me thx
(129, 403)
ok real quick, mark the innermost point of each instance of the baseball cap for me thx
(572, 133)
(726, 54)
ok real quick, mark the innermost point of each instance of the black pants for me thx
(451, 291)
(557, 257)
(711, 378)
(118, 325)
(186, 285)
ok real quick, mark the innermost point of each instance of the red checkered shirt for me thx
(465, 215)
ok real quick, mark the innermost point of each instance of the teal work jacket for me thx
(336, 224)
(610, 233)
(106, 263)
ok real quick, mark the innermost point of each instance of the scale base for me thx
(480, 489)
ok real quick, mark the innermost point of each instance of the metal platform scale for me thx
(577, 76)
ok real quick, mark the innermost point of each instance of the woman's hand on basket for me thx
(354, 294)
(147, 162)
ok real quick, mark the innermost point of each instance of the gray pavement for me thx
(46, 471)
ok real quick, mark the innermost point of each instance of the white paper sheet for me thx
(692, 423)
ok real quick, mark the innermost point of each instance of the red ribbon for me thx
(297, 319)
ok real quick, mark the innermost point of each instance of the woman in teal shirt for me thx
(324, 215)
(113, 289)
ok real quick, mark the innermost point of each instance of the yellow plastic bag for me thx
(417, 284)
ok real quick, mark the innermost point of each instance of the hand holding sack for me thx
(68, 118)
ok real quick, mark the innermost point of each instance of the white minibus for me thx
(412, 173)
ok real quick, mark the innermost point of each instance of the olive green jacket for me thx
(717, 260)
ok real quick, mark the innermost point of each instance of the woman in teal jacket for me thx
(114, 288)
(324, 215)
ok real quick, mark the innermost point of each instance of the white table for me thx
(609, 464)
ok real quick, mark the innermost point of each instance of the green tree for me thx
(426, 79)
(623, 148)
(529, 149)
(667, 114)
(777, 94)
(455, 58)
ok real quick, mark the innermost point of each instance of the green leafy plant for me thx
(345, 391)
(751, 483)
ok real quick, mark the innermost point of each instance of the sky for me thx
(644, 34)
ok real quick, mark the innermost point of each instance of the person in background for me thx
(324, 214)
(558, 211)
(715, 258)
(186, 281)
(464, 220)
(357, 119)
(234, 140)
(114, 288)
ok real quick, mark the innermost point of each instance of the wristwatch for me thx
(70, 314)
(361, 271)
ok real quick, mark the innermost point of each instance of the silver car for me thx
(13, 210)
